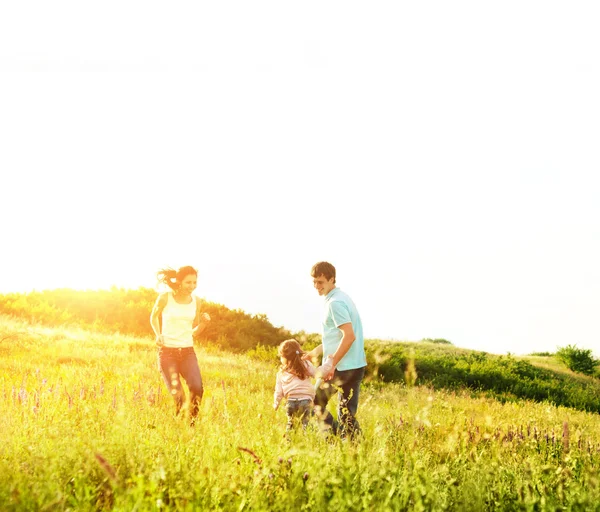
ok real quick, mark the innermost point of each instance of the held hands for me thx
(160, 340)
(326, 370)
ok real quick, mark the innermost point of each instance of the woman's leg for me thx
(190, 371)
(168, 367)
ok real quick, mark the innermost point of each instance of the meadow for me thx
(87, 425)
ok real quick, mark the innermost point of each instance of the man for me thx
(343, 342)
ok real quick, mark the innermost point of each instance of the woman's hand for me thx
(202, 323)
(160, 340)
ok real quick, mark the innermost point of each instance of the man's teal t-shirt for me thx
(339, 310)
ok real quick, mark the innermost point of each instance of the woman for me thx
(176, 319)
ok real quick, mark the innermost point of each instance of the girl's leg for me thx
(291, 410)
(168, 367)
(306, 411)
(298, 411)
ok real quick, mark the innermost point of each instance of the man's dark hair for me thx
(323, 268)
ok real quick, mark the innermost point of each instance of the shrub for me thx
(577, 359)
(128, 312)
(441, 341)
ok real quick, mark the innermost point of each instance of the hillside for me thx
(441, 366)
(87, 426)
(504, 377)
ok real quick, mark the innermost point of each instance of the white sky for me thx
(444, 156)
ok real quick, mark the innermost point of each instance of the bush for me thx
(440, 341)
(128, 312)
(577, 359)
(505, 378)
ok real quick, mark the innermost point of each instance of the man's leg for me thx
(322, 396)
(348, 405)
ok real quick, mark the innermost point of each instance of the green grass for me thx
(87, 425)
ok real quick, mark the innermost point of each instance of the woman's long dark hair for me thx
(172, 278)
(292, 351)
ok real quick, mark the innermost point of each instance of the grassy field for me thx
(87, 425)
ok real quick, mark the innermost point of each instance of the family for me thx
(177, 318)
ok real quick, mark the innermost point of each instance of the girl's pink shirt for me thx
(291, 386)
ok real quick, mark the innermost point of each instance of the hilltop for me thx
(438, 365)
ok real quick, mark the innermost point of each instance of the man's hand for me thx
(325, 370)
(328, 376)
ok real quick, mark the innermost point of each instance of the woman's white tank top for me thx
(177, 320)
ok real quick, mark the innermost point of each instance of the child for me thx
(293, 382)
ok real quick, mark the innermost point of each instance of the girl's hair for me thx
(292, 351)
(172, 278)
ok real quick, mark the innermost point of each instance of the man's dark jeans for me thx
(347, 385)
(176, 362)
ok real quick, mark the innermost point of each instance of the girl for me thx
(176, 319)
(293, 383)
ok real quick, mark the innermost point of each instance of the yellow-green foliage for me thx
(128, 312)
(87, 425)
(504, 377)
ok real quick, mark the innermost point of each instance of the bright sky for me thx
(444, 156)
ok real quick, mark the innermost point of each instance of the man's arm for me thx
(348, 338)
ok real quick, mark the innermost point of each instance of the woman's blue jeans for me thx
(175, 363)
(347, 385)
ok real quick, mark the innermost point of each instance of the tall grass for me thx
(87, 425)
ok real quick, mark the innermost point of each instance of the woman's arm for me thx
(200, 321)
(157, 310)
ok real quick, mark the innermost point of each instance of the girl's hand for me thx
(160, 340)
(307, 356)
(205, 317)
